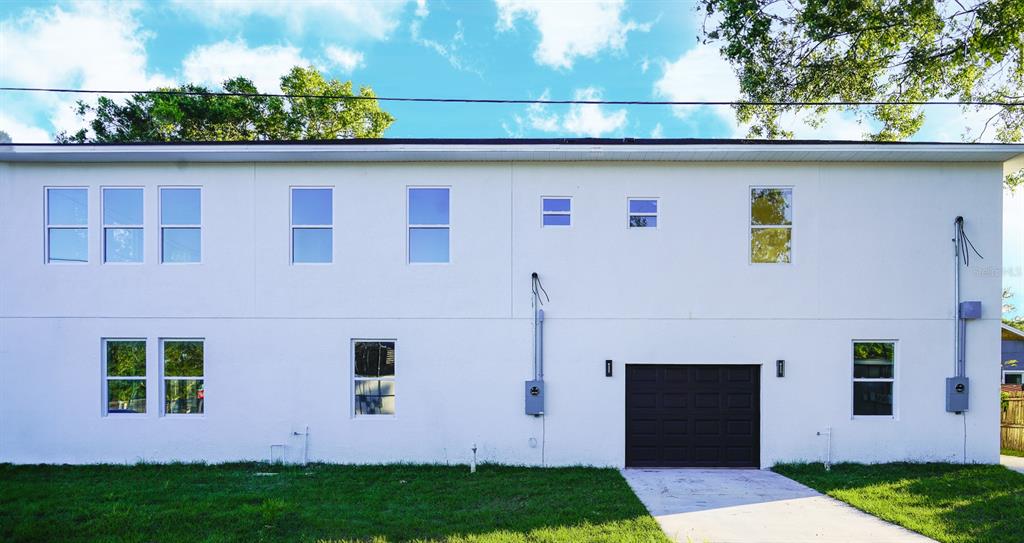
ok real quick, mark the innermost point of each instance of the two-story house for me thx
(705, 302)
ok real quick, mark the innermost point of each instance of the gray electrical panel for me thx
(535, 397)
(957, 393)
(970, 310)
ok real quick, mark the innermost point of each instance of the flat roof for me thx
(504, 149)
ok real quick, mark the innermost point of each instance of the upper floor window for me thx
(374, 377)
(429, 225)
(183, 367)
(67, 225)
(124, 362)
(771, 225)
(180, 224)
(312, 225)
(874, 375)
(122, 225)
(556, 211)
(643, 212)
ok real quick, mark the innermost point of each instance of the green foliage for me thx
(873, 351)
(238, 502)
(872, 50)
(204, 117)
(951, 503)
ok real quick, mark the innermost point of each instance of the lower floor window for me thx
(125, 369)
(1013, 378)
(373, 377)
(874, 377)
(183, 363)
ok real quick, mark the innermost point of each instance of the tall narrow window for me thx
(771, 225)
(125, 369)
(312, 225)
(556, 211)
(874, 375)
(374, 376)
(181, 224)
(428, 225)
(122, 225)
(183, 368)
(643, 212)
(67, 225)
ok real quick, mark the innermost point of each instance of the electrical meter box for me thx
(535, 397)
(970, 310)
(957, 393)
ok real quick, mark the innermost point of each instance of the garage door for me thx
(692, 416)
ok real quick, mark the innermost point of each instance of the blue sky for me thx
(613, 49)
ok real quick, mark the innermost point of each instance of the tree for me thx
(1008, 308)
(147, 117)
(872, 50)
(5, 137)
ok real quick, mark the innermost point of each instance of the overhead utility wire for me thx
(526, 101)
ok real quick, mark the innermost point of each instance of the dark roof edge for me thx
(513, 141)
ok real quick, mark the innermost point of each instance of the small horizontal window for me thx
(643, 212)
(556, 211)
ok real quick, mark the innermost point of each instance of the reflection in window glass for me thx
(122, 225)
(374, 377)
(180, 225)
(125, 367)
(65, 210)
(429, 226)
(556, 211)
(873, 377)
(643, 212)
(312, 218)
(184, 366)
(771, 225)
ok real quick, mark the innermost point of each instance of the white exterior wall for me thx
(871, 260)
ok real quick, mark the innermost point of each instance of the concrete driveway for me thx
(1016, 463)
(748, 506)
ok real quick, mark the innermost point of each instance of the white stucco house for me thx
(708, 302)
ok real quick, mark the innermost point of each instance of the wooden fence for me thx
(1011, 424)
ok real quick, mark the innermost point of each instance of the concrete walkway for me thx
(1015, 463)
(748, 506)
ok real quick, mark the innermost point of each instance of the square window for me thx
(643, 212)
(67, 225)
(373, 369)
(122, 225)
(312, 224)
(874, 375)
(183, 363)
(124, 362)
(771, 225)
(556, 211)
(429, 226)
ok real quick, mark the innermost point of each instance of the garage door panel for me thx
(692, 415)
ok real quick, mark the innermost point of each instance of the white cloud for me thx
(264, 65)
(570, 29)
(449, 51)
(81, 44)
(421, 9)
(354, 18)
(344, 58)
(590, 120)
(21, 132)
(658, 132)
(700, 74)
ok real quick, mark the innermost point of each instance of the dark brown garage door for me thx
(692, 416)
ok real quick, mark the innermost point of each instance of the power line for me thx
(529, 101)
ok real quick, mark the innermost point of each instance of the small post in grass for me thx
(472, 464)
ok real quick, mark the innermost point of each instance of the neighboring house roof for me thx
(1012, 334)
(552, 149)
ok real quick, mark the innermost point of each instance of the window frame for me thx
(292, 226)
(544, 213)
(751, 226)
(410, 226)
(353, 378)
(47, 226)
(104, 226)
(105, 385)
(164, 378)
(656, 214)
(894, 379)
(161, 226)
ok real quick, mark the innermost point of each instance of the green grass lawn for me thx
(1011, 452)
(235, 502)
(947, 502)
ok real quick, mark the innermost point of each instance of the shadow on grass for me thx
(248, 502)
(947, 502)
